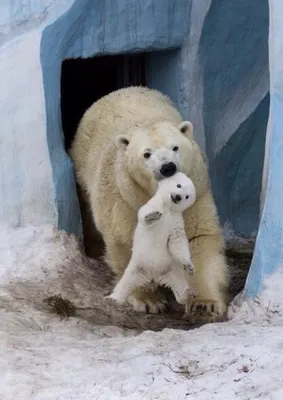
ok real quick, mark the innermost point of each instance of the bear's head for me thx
(156, 151)
(178, 192)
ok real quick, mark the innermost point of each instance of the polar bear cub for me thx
(160, 252)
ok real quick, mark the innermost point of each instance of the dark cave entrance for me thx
(84, 81)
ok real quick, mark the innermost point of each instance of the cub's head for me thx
(178, 192)
(156, 151)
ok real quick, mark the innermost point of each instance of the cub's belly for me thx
(154, 254)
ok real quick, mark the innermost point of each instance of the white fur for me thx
(160, 247)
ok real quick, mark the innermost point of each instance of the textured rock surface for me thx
(20, 16)
(211, 57)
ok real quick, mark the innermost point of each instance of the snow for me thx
(45, 357)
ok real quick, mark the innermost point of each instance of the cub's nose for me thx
(176, 198)
(168, 169)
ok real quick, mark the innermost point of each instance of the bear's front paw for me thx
(204, 311)
(152, 217)
(189, 267)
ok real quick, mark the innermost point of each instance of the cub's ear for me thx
(122, 142)
(187, 129)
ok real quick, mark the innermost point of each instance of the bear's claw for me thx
(205, 311)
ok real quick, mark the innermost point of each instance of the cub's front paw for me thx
(189, 267)
(152, 217)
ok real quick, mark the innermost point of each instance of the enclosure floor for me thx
(239, 261)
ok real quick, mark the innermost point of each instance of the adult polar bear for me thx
(125, 142)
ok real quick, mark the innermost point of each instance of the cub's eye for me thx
(187, 197)
(146, 155)
(179, 185)
(175, 148)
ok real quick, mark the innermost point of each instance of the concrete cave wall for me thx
(268, 254)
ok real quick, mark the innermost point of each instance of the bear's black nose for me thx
(178, 197)
(168, 169)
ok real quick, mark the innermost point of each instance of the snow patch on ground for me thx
(43, 357)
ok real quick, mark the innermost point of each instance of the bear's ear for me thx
(122, 142)
(187, 129)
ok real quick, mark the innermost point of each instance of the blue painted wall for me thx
(236, 173)
(268, 255)
(164, 73)
(234, 63)
(21, 16)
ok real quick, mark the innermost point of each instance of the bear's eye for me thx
(179, 186)
(187, 196)
(175, 148)
(146, 155)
